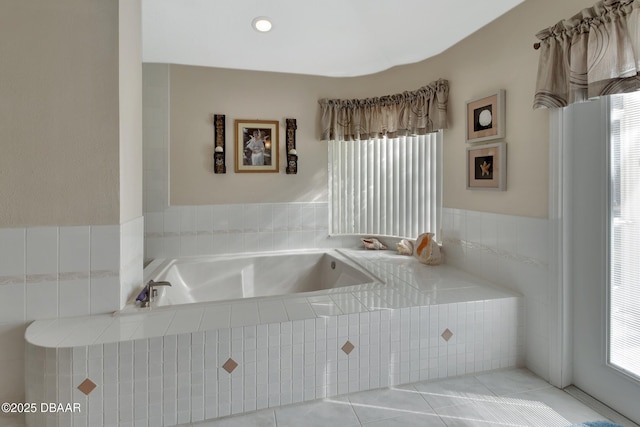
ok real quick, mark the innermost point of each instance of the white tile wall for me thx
(41, 243)
(12, 255)
(75, 267)
(216, 229)
(131, 258)
(51, 272)
(513, 252)
(179, 378)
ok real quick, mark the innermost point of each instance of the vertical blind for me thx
(624, 276)
(385, 186)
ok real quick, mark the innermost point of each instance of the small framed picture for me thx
(485, 117)
(487, 167)
(256, 145)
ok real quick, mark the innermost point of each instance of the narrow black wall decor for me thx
(292, 154)
(219, 139)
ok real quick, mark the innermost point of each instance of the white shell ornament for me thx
(485, 118)
(405, 247)
(371, 243)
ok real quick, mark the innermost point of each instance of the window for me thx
(624, 249)
(385, 186)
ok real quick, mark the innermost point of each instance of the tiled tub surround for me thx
(513, 252)
(168, 367)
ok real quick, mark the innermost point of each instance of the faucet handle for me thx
(152, 284)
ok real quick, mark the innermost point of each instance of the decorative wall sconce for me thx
(292, 154)
(218, 152)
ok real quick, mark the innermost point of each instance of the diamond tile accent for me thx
(230, 365)
(348, 347)
(87, 386)
(447, 334)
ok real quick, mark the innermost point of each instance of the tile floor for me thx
(514, 397)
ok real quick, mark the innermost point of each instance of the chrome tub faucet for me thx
(149, 292)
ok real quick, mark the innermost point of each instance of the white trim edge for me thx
(560, 346)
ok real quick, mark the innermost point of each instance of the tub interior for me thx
(223, 278)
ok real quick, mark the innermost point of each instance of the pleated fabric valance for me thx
(597, 52)
(409, 113)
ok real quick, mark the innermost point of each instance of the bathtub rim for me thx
(161, 265)
(65, 333)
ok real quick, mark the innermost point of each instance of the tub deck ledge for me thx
(404, 283)
(188, 364)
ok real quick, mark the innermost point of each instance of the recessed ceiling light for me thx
(262, 24)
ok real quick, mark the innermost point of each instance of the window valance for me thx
(408, 113)
(596, 52)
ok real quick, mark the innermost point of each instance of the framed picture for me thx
(485, 117)
(256, 145)
(487, 167)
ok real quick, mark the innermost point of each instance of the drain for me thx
(333, 265)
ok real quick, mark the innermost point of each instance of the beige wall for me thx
(70, 112)
(196, 93)
(499, 56)
(59, 112)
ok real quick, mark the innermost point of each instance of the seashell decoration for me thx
(405, 247)
(371, 243)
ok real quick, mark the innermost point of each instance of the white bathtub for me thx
(230, 277)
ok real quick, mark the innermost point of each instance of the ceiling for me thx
(336, 38)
